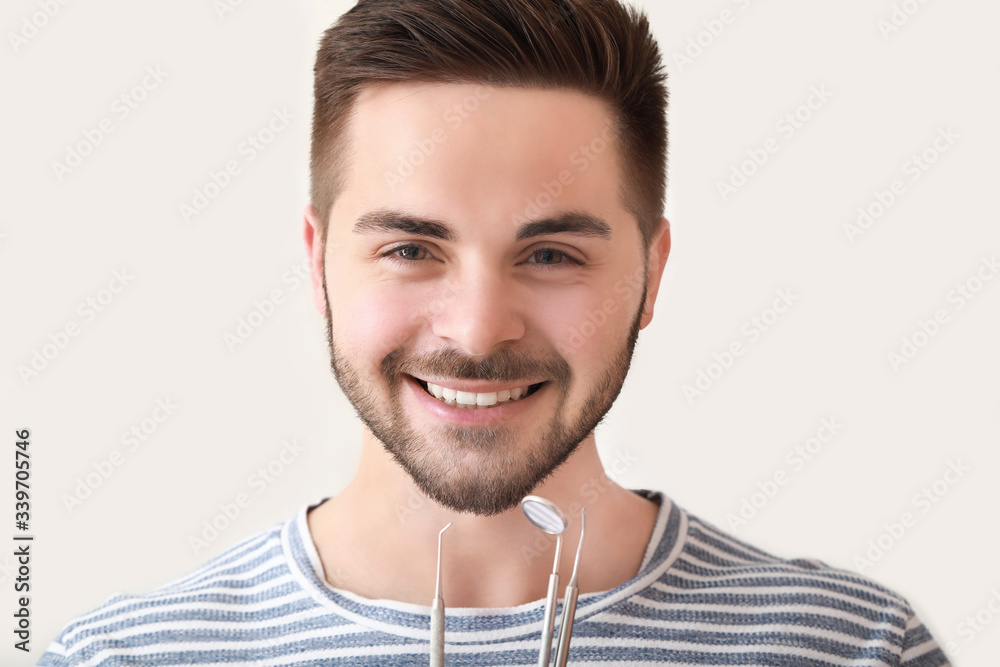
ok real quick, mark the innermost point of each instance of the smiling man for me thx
(450, 315)
(487, 241)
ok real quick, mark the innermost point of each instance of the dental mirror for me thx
(547, 517)
(544, 514)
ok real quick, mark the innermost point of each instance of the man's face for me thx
(455, 281)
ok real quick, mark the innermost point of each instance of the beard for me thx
(481, 470)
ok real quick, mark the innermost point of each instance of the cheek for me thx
(371, 319)
(587, 325)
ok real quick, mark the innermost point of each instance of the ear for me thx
(659, 250)
(315, 250)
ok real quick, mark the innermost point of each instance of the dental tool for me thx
(547, 517)
(569, 600)
(437, 613)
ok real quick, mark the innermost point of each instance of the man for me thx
(488, 175)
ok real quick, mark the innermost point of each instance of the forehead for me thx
(473, 152)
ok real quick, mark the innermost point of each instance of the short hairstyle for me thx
(601, 48)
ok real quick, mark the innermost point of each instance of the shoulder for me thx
(720, 590)
(693, 556)
(248, 580)
(715, 558)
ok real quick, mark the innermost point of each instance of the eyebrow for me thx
(571, 222)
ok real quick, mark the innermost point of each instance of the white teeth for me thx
(468, 399)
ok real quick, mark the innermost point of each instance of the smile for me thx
(471, 400)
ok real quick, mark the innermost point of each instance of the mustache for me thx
(505, 365)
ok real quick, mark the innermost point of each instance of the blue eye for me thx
(551, 257)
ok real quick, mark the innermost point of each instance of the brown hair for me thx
(598, 47)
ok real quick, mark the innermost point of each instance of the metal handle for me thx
(566, 625)
(437, 633)
(549, 622)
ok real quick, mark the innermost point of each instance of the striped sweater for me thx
(701, 597)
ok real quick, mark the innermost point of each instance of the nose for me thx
(479, 311)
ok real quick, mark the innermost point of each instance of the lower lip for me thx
(470, 416)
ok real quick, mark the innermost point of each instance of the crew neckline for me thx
(472, 625)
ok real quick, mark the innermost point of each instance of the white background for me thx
(827, 357)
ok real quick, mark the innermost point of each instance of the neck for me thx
(378, 538)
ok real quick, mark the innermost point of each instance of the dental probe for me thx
(437, 613)
(546, 516)
(569, 600)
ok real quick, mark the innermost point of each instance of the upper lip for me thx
(477, 387)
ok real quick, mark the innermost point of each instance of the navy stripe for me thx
(719, 602)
